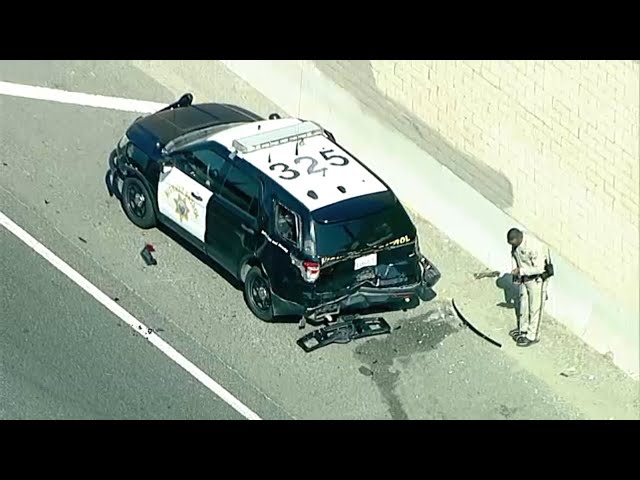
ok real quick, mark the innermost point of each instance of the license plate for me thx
(366, 261)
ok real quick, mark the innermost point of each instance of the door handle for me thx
(196, 196)
(247, 229)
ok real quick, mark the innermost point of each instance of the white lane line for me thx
(77, 98)
(126, 317)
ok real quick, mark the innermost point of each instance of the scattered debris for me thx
(46, 202)
(116, 299)
(5, 164)
(507, 412)
(82, 240)
(481, 275)
(592, 377)
(365, 371)
(473, 329)
(159, 330)
(569, 372)
(147, 256)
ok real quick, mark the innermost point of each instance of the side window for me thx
(204, 166)
(214, 162)
(287, 224)
(193, 167)
(242, 190)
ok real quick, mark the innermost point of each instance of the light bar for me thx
(277, 137)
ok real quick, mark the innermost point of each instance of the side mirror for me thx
(185, 100)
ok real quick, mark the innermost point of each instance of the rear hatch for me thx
(375, 249)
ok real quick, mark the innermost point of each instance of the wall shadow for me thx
(356, 76)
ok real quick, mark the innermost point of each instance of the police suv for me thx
(306, 228)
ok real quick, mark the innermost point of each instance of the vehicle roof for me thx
(333, 185)
(167, 125)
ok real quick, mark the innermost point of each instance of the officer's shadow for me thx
(511, 293)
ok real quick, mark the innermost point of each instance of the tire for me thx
(253, 297)
(139, 209)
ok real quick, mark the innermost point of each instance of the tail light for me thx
(311, 271)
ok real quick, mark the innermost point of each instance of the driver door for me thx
(185, 189)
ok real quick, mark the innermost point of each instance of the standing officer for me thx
(531, 269)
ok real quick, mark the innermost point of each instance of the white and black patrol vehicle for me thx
(306, 228)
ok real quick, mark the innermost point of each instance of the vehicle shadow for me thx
(203, 257)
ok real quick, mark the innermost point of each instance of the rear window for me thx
(362, 233)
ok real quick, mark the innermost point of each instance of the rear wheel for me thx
(257, 294)
(137, 203)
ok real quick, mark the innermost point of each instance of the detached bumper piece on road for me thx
(347, 329)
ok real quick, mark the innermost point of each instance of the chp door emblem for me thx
(181, 208)
(184, 204)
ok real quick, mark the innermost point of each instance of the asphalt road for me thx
(53, 160)
(64, 356)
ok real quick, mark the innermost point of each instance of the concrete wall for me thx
(561, 139)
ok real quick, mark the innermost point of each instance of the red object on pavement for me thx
(146, 255)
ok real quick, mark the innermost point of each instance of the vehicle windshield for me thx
(360, 234)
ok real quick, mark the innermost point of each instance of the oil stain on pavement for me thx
(416, 335)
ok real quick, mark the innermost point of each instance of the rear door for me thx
(285, 245)
(233, 229)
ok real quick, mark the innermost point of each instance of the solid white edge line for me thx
(126, 317)
(76, 98)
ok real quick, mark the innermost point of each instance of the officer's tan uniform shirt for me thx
(530, 256)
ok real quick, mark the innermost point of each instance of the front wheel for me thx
(137, 203)
(257, 295)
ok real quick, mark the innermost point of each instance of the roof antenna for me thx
(297, 143)
(300, 91)
(269, 159)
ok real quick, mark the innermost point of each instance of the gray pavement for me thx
(64, 356)
(429, 368)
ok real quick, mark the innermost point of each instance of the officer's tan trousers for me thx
(532, 297)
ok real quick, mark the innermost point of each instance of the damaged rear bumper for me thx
(367, 297)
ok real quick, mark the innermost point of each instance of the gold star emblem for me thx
(182, 209)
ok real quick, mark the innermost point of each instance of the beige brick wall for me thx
(564, 133)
